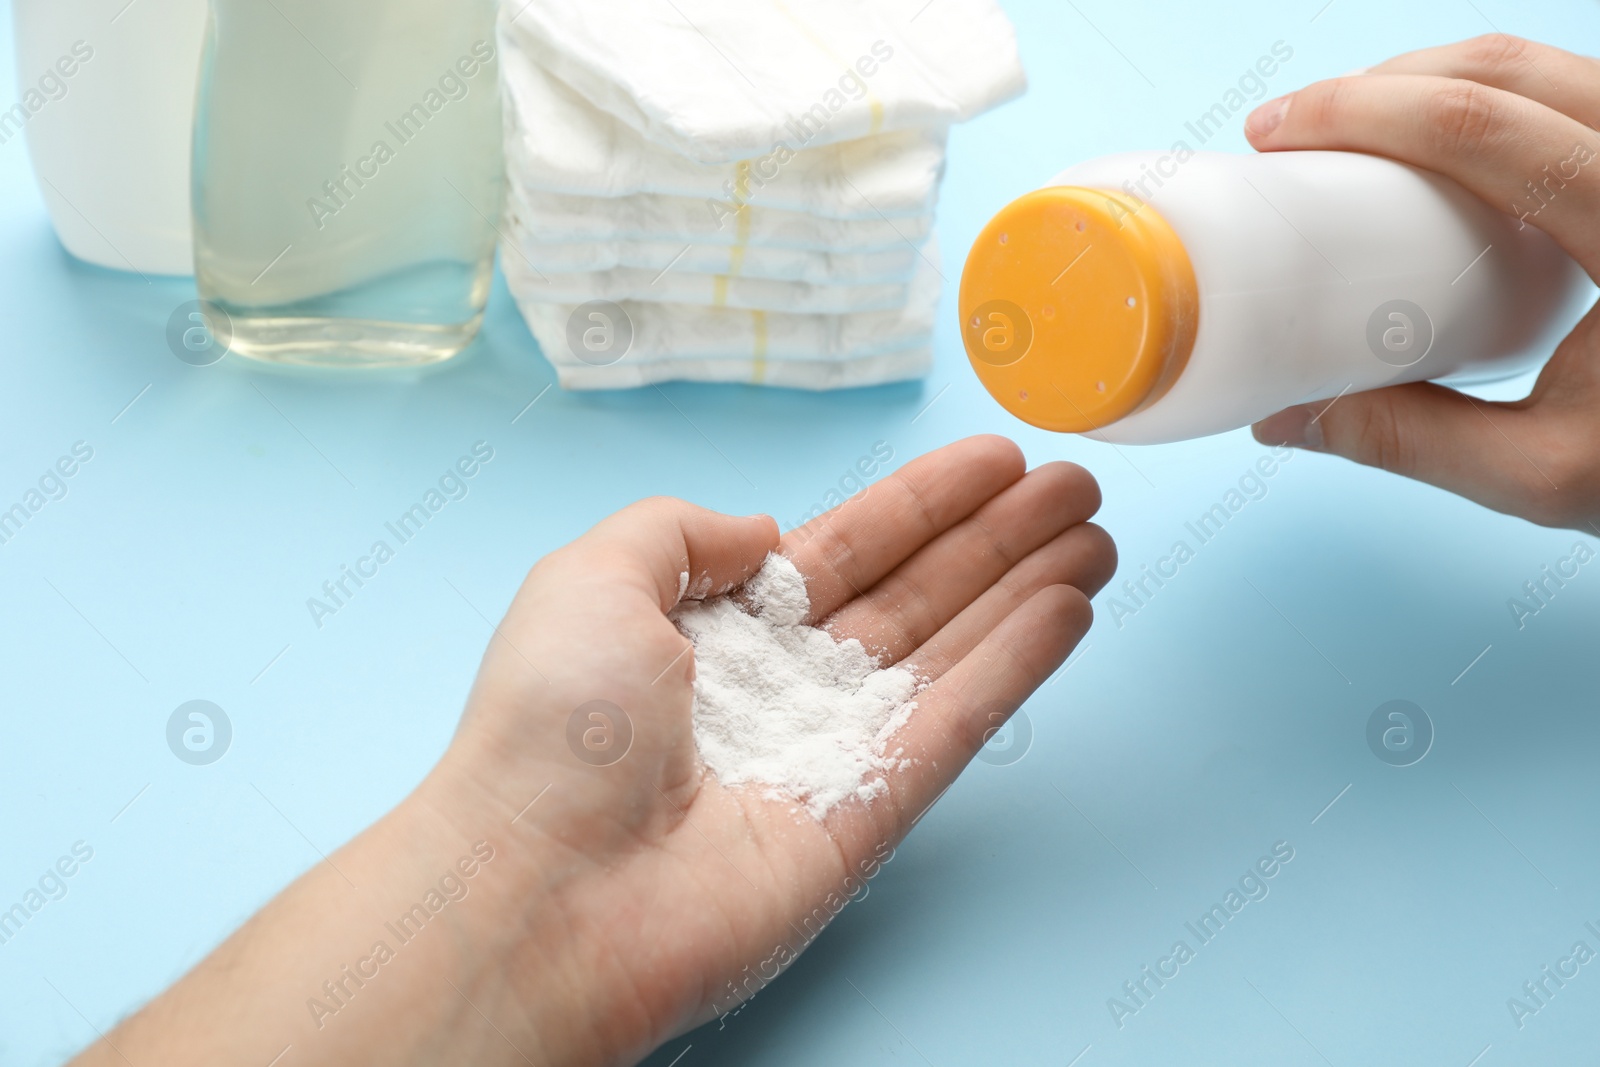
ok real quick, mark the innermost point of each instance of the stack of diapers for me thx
(736, 192)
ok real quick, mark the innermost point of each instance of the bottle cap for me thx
(1078, 307)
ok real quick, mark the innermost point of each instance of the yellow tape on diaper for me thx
(758, 363)
(873, 103)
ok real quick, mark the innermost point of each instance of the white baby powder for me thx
(783, 705)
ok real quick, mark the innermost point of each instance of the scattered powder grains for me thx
(782, 704)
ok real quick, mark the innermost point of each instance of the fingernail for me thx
(1268, 117)
(1294, 427)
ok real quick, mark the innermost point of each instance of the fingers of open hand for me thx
(1520, 156)
(1555, 78)
(955, 714)
(673, 548)
(1082, 556)
(848, 550)
(910, 604)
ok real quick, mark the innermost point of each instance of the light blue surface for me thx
(1189, 740)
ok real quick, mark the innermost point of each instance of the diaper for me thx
(758, 340)
(559, 217)
(560, 143)
(745, 192)
(789, 374)
(719, 82)
(677, 286)
(890, 266)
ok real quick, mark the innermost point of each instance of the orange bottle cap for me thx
(1078, 307)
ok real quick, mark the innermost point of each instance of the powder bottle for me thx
(1154, 297)
(348, 177)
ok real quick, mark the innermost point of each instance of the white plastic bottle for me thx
(1148, 297)
(106, 93)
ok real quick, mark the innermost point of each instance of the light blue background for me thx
(1190, 739)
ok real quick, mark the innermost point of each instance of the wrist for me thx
(419, 970)
(529, 957)
(394, 950)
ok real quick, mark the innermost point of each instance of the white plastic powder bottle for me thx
(106, 94)
(1153, 297)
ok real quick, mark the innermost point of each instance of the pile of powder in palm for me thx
(783, 705)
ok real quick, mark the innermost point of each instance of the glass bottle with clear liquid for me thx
(348, 177)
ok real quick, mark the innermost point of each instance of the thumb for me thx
(676, 549)
(1484, 451)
